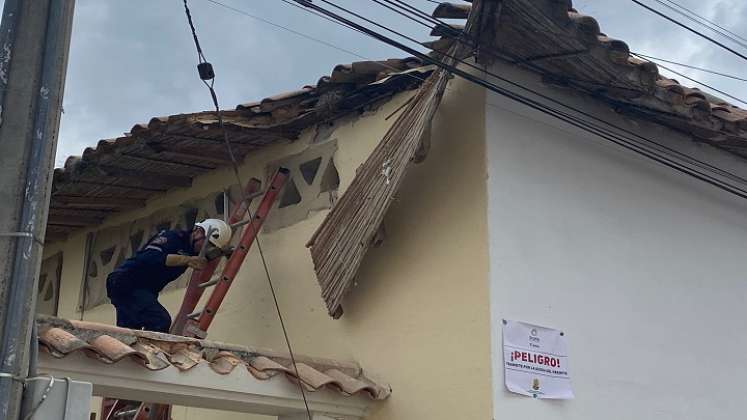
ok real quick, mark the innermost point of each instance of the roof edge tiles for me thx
(569, 49)
(169, 151)
(108, 344)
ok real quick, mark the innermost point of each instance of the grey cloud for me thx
(131, 60)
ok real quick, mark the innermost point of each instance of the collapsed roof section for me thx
(552, 38)
(167, 152)
(545, 36)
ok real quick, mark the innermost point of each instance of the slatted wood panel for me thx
(342, 240)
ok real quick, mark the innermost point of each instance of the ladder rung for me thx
(208, 283)
(254, 195)
(126, 413)
(194, 331)
(194, 315)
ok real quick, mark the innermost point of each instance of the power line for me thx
(689, 66)
(563, 116)
(289, 2)
(467, 38)
(693, 80)
(735, 35)
(667, 149)
(285, 28)
(303, 35)
(699, 22)
(678, 23)
(209, 75)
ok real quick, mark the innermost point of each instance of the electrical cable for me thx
(690, 66)
(687, 157)
(285, 28)
(235, 168)
(678, 23)
(706, 20)
(466, 38)
(691, 79)
(693, 18)
(569, 118)
(668, 149)
(43, 398)
(448, 28)
(309, 37)
(289, 2)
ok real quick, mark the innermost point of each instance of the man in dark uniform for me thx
(133, 287)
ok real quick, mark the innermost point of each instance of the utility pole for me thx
(34, 44)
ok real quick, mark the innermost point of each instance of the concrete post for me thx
(34, 43)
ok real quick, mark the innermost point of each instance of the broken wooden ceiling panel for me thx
(167, 152)
(340, 243)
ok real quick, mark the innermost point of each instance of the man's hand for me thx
(197, 263)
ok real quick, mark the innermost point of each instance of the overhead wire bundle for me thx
(543, 103)
(695, 31)
(207, 75)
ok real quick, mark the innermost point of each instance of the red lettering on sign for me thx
(535, 358)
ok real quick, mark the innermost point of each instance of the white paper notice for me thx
(535, 361)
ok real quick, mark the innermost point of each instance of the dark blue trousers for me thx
(137, 308)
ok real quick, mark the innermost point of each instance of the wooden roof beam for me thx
(93, 202)
(206, 156)
(63, 211)
(148, 159)
(54, 237)
(221, 158)
(70, 220)
(218, 141)
(119, 186)
(149, 176)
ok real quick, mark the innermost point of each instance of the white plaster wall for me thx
(642, 267)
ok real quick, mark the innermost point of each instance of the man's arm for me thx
(162, 250)
(176, 260)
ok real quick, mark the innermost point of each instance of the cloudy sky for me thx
(131, 60)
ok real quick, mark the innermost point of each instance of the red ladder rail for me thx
(199, 324)
(196, 326)
(194, 293)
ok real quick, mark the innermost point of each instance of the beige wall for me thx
(419, 316)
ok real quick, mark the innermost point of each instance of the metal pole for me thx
(35, 39)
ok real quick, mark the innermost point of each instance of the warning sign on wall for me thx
(535, 361)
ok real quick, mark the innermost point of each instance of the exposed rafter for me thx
(74, 201)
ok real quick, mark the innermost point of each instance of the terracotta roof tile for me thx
(187, 145)
(537, 33)
(107, 344)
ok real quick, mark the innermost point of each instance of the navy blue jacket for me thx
(147, 269)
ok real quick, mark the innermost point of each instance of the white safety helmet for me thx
(221, 235)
